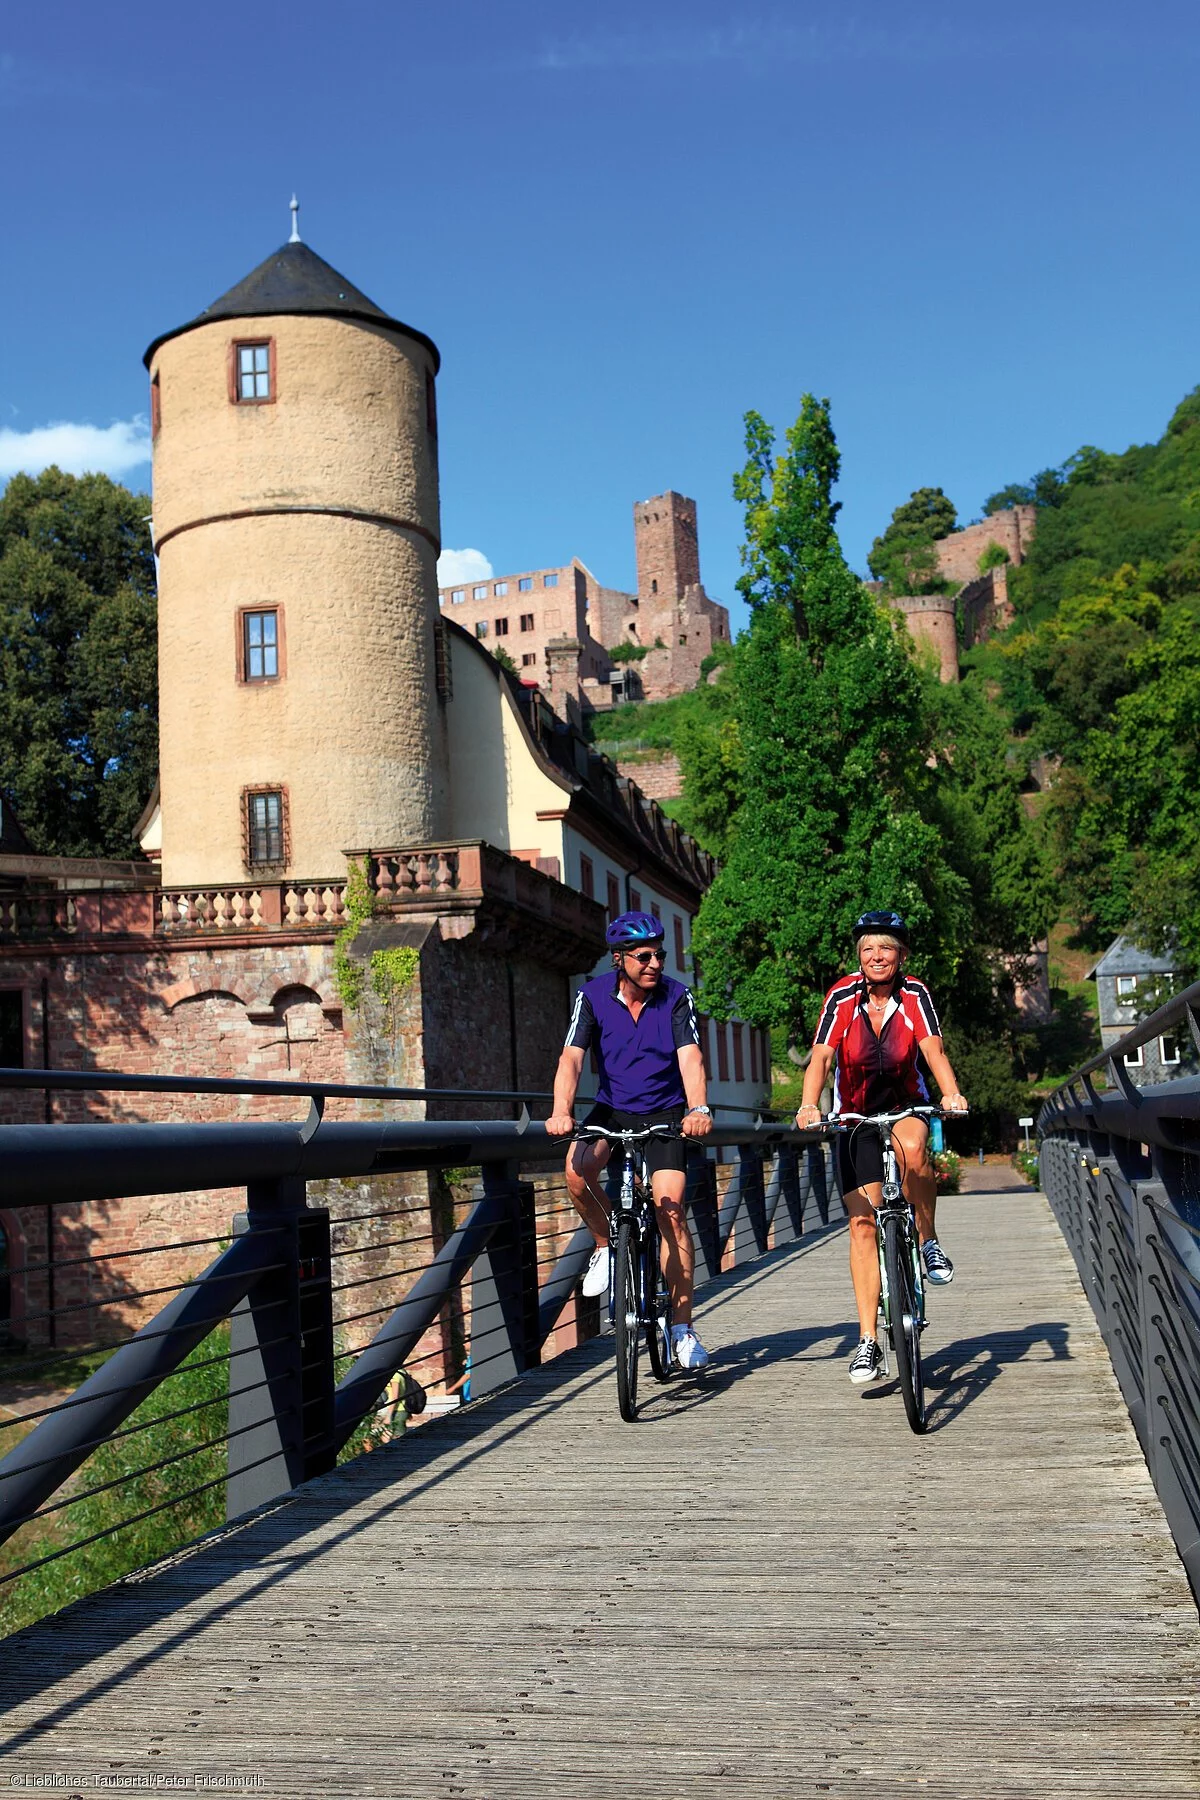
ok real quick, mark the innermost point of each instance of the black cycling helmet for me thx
(634, 928)
(885, 924)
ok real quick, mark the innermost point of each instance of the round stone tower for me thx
(931, 620)
(297, 531)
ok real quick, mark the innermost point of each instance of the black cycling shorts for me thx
(860, 1158)
(660, 1153)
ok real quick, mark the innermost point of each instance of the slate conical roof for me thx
(295, 280)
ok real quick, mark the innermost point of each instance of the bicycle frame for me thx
(633, 1236)
(898, 1247)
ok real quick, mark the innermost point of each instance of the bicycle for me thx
(901, 1276)
(638, 1296)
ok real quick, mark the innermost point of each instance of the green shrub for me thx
(1025, 1162)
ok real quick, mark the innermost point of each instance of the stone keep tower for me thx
(297, 530)
(668, 550)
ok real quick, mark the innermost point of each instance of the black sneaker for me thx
(866, 1363)
(939, 1270)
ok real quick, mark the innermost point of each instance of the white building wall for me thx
(750, 1091)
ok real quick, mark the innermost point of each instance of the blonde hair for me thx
(882, 937)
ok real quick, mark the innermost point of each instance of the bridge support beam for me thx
(506, 1337)
(281, 1422)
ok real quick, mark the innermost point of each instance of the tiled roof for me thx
(294, 279)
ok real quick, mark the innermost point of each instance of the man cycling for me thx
(643, 1029)
(880, 1027)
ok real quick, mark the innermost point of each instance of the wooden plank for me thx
(767, 1587)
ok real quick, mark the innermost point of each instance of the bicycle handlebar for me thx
(890, 1118)
(626, 1137)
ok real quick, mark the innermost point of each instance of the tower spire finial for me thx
(295, 237)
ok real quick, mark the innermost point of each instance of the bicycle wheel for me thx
(906, 1324)
(625, 1317)
(658, 1310)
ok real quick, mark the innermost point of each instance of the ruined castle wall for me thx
(984, 606)
(931, 622)
(1013, 529)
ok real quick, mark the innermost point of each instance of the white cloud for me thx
(76, 449)
(455, 566)
(762, 43)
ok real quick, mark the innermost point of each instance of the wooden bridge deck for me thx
(768, 1587)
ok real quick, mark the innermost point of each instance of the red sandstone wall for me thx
(659, 777)
(958, 555)
(931, 621)
(266, 1010)
(985, 606)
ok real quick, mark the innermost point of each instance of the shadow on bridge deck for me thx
(766, 1587)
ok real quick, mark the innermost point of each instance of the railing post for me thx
(789, 1214)
(1171, 1373)
(701, 1195)
(505, 1339)
(817, 1179)
(281, 1338)
(749, 1245)
(728, 1204)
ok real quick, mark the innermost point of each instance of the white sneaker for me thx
(598, 1273)
(687, 1349)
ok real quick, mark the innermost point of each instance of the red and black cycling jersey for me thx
(877, 1073)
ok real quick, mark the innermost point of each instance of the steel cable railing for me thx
(334, 1311)
(1120, 1165)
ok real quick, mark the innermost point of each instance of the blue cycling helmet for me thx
(883, 924)
(634, 928)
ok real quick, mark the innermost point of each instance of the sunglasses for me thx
(645, 956)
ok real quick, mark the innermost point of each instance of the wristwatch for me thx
(706, 1110)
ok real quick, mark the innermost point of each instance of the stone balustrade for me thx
(471, 884)
(251, 908)
(37, 915)
(414, 874)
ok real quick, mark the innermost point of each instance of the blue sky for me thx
(974, 228)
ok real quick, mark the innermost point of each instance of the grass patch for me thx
(126, 1482)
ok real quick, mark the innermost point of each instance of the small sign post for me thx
(1025, 1124)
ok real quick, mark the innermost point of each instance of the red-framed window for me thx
(614, 897)
(252, 371)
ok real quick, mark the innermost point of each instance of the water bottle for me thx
(937, 1142)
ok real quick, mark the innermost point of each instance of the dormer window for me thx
(254, 372)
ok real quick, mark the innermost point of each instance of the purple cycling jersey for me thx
(637, 1061)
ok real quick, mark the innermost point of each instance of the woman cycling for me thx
(879, 1027)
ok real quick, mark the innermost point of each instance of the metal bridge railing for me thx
(337, 1287)
(1120, 1166)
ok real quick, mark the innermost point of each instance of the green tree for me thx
(904, 556)
(1127, 819)
(832, 740)
(78, 661)
(1045, 489)
(1064, 678)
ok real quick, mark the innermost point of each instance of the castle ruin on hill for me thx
(980, 605)
(560, 625)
